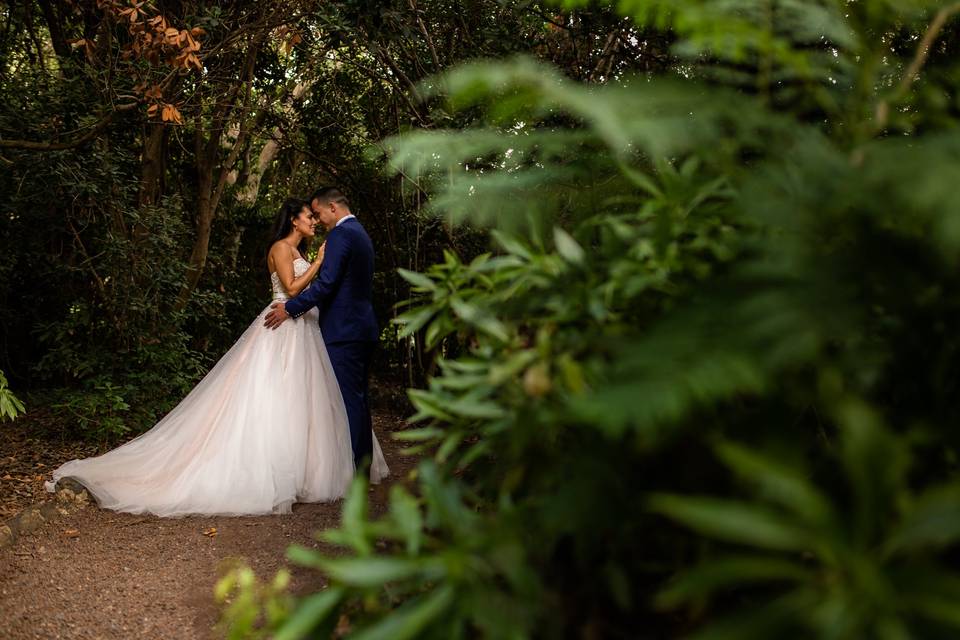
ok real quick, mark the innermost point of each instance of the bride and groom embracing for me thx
(284, 415)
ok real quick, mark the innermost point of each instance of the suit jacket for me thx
(343, 290)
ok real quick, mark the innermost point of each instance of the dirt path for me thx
(99, 574)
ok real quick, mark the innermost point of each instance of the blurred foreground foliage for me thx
(704, 380)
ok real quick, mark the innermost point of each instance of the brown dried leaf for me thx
(171, 114)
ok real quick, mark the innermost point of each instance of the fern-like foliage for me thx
(703, 382)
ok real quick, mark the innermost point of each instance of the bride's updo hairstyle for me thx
(284, 225)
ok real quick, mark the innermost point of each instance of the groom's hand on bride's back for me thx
(276, 316)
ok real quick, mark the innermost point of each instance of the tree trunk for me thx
(249, 184)
(60, 46)
(151, 165)
(201, 242)
(208, 193)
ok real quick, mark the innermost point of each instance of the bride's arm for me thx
(334, 264)
(293, 284)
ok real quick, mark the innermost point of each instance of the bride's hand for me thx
(320, 252)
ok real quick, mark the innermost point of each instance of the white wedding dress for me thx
(265, 428)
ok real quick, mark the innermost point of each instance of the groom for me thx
(343, 293)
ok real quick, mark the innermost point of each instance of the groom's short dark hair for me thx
(329, 194)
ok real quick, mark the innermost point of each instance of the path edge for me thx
(70, 496)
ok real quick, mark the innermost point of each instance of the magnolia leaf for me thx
(567, 247)
(407, 621)
(374, 571)
(418, 279)
(728, 572)
(311, 612)
(405, 511)
(733, 521)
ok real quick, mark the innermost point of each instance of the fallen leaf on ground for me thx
(72, 533)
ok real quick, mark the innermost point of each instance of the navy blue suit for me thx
(343, 292)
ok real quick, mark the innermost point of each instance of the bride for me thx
(265, 428)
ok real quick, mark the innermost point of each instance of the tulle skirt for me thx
(265, 428)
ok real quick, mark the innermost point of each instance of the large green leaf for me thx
(734, 521)
(411, 618)
(311, 612)
(932, 522)
(730, 573)
(777, 481)
(405, 511)
(418, 280)
(374, 571)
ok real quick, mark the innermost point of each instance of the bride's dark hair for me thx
(284, 225)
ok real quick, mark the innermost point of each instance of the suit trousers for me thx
(351, 364)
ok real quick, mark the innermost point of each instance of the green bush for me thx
(703, 383)
(10, 406)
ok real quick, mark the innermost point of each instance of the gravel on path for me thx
(100, 574)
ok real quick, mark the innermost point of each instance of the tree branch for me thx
(919, 58)
(60, 46)
(394, 78)
(426, 35)
(227, 166)
(30, 145)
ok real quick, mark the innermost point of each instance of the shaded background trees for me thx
(146, 146)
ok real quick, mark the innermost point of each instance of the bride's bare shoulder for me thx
(280, 252)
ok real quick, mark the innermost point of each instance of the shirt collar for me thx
(344, 219)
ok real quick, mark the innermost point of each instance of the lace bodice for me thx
(300, 267)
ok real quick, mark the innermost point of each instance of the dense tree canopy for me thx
(148, 145)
